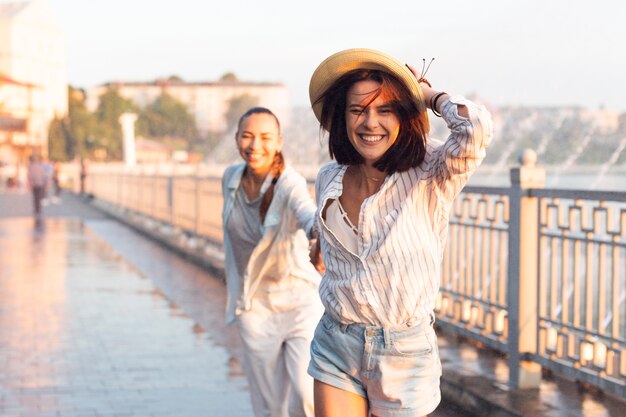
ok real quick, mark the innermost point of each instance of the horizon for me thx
(532, 54)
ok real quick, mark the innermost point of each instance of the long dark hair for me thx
(409, 149)
(278, 165)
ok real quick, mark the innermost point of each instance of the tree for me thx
(108, 134)
(70, 136)
(167, 117)
(82, 124)
(229, 77)
(59, 142)
(237, 106)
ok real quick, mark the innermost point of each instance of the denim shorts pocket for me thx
(328, 324)
(418, 344)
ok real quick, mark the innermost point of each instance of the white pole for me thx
(127, 120)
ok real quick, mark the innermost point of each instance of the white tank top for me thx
(337, 221)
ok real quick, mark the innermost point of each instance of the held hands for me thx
(315, 255)
(315, 252)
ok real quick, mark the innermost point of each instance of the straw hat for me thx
(336, 65)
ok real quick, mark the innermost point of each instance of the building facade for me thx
(15, 102)
(33, 78)
(208, 102)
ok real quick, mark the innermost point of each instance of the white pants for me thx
(276, 335)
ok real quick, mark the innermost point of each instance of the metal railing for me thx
(581, 304)
(537, 274)
(473, 295)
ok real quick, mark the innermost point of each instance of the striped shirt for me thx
(393, 276)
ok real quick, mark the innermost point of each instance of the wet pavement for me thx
(97, 320)
(85, 332)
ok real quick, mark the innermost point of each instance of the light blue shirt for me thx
(283, 250)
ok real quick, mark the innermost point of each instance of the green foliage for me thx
(71, 136)
(111, 107)
(229, 77)
(60, 146)
(94, 135)
(108, 133)
(237, 106)
(81, 125)
(167, 117)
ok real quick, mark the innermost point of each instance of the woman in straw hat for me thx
(382, 217)
(272, 285)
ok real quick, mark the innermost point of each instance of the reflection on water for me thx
(33, 297)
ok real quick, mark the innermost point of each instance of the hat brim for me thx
(340, 63)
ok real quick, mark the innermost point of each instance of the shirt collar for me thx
(235, 180)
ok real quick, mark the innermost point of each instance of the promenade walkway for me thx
(96, 320)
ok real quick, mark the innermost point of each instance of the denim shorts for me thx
(396, 369)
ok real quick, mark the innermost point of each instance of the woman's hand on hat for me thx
(433, 98)
(427, 90)
(426, 87)
(421, 80)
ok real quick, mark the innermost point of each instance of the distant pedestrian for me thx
(56, 182)
(83, 176)
(383, 209)
(49, 169)
(272, 286)
(37, 181)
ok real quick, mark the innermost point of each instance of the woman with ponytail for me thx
(272, 285)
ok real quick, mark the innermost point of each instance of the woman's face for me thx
(372, 129)
(258, 140)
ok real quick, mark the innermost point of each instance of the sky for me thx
(531, 52)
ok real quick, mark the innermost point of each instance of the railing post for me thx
(170, 198)
(523, 272)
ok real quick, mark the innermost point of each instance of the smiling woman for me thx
(272, 285)
(382, 220)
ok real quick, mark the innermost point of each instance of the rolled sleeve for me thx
(464, 150)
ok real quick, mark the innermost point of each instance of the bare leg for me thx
(335, 402)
